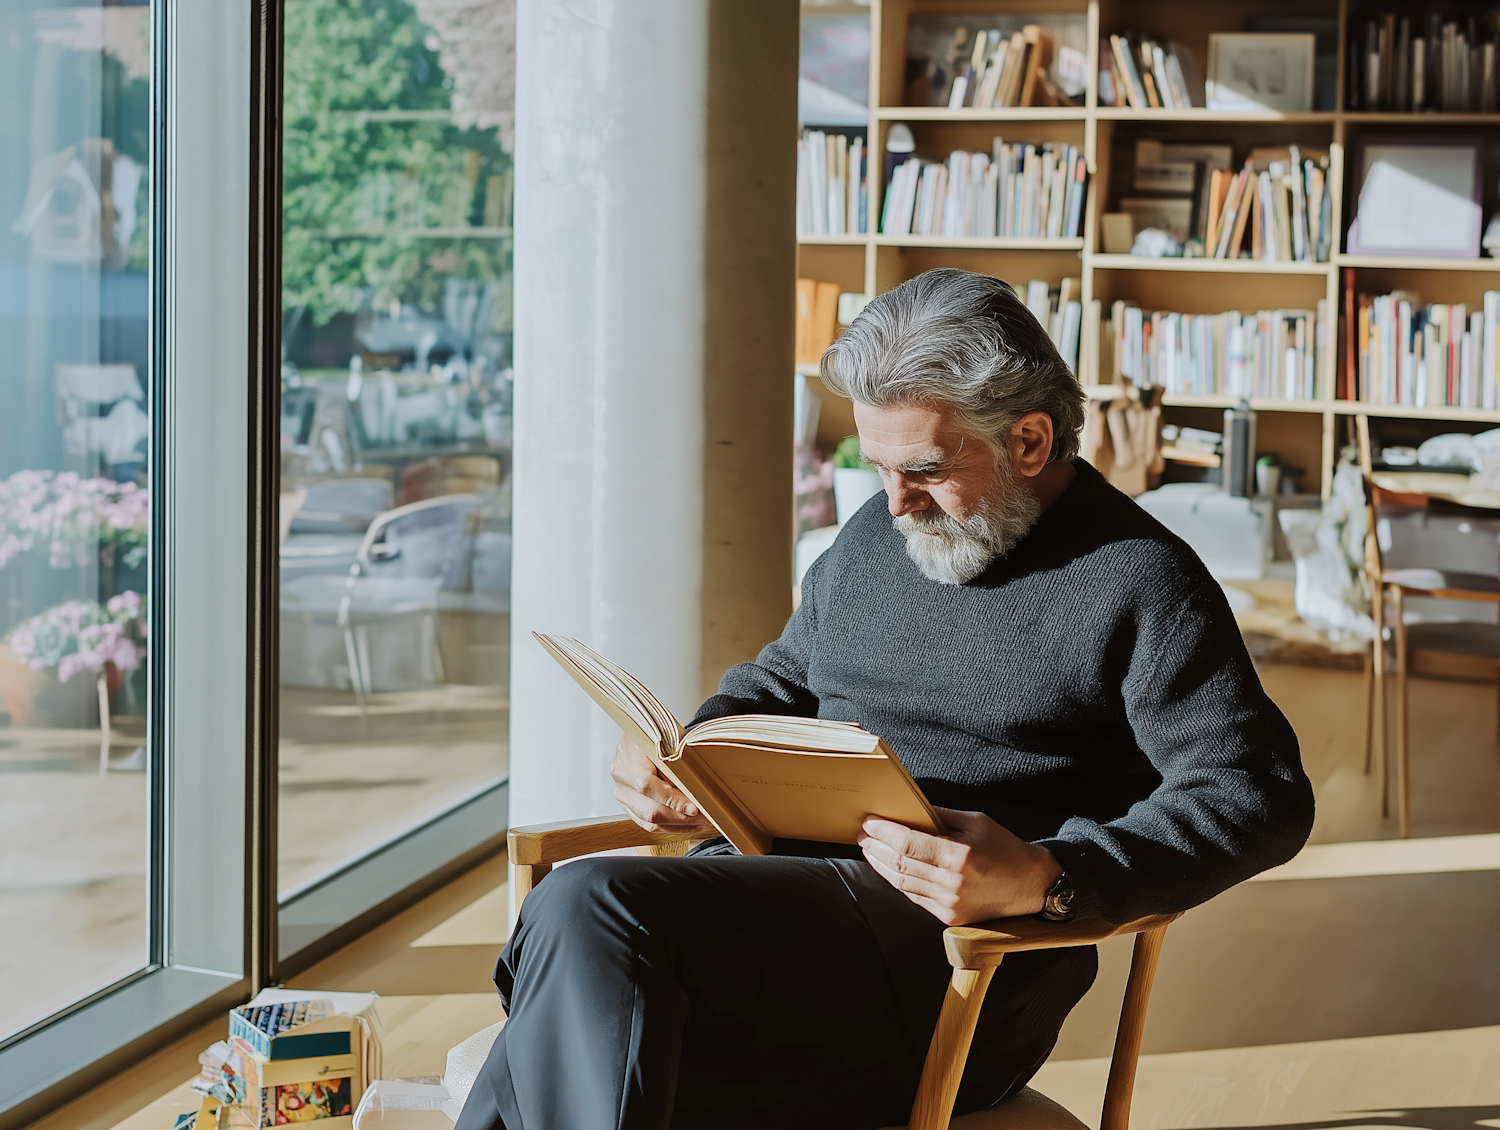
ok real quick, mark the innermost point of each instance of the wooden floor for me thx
(1359, 986)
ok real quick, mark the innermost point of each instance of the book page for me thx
(657, 734)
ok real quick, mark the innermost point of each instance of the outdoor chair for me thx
(408, 556)
(1461, 638)
(340, 506)
(974, 952)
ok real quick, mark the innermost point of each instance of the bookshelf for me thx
(1309, 432)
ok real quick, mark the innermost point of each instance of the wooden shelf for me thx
(1194, 400)
(994, 114)
(833, 240)
(980, 242)
(1198, 114)
(1208, 266)
(1415, 263)
(1187, 455)
(1393, 117)
(1403, 412)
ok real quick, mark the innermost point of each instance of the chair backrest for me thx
(343, 505)
(423, 539)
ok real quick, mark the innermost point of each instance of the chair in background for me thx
(408, 556)
(1465, 638)
(974, 952)
(340, 506)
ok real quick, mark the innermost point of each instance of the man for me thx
(1053, 667)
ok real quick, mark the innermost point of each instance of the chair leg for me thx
(1378, 713)
(1369, 684)
(356, 677)
(1403, 721)
(439, 669)
(1132, 1029)
(944, 1069)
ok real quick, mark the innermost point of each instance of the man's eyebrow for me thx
(930, 462)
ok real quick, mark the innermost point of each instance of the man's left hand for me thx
(976, 872)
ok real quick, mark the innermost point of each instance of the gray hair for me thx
(964, 340)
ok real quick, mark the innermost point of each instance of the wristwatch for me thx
(1058, 905)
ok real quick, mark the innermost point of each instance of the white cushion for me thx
(1026, 1110)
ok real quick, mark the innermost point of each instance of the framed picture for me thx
(1173, 215)
(1418, 196)
(1255, 72)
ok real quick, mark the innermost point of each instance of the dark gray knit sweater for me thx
(1090, 691)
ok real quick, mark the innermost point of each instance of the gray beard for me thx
(953, 551)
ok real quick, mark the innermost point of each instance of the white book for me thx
(838, 193)
(1036, 300)
(974, 197)
(818, 152)
(1071, 326)
(804, 192)
(856, 184)
(952, 225)
(989, 201)
(1489, 369)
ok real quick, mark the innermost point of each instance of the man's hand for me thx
(650, 799)
(978, 871)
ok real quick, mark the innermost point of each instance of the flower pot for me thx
(852, 488)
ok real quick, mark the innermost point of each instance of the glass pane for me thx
(395, 427)
(74, 502)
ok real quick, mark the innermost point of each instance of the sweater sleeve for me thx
(1233, 799)
(776, 683)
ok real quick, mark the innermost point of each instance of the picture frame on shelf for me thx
(1257, 72)
(1418, 196)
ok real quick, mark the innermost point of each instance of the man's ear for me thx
(1031, 443)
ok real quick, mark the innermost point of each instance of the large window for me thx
(395, 437)
(124, 534)
(75, 503)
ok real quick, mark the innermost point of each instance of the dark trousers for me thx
(721, 991)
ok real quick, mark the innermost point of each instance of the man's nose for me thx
(903, 498)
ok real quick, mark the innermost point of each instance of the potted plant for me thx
(854, 480)
(76, 637)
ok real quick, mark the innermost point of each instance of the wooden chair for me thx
(1464, 638)
(974, 951)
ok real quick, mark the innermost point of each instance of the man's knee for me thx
(590, 898)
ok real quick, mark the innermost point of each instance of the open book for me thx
(757, 776)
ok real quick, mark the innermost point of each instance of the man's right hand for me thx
(650, 799)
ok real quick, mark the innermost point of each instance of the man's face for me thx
(925, 462)
(957, 505)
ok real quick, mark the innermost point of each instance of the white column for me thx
(615, 393)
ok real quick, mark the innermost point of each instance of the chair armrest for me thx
(982, 945)
(553, 843)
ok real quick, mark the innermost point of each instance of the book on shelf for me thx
(1276, 207)
(1270, 354)
(1424, 356)
(833, 184)
(1019, 190)
(817, 319)
(1060, 313)
(1145, 74)
(1423, 63)
(987, 61)
(757, 777)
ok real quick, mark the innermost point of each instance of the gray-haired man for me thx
(1050, 663)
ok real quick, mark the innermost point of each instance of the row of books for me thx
(1023, 191)
(1402, 352)
(992, 59)
(1144, 74)
(833, 184)
(1285, 204)
(1424, 64)
(1273, 354)
(1060, 312)
(1007, 72)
